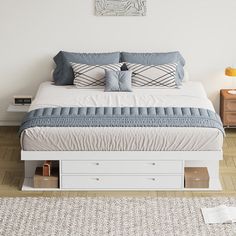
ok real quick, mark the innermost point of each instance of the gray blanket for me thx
(122, 117)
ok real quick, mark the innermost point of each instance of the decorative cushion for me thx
(118, 81)
(154, 75)
(63, 74)
(156, 59)
(92, 76)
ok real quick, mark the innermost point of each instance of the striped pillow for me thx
(148, 76)
(91, 76)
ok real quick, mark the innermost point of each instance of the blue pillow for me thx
(118, 81)
(156, 59)
(63, 74)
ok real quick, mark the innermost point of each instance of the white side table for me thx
(18, 108)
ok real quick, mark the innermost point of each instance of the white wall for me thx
(33, 31)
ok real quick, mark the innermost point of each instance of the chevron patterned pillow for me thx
(148, 76)
(91, 76)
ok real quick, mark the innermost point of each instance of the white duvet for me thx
(191, 94)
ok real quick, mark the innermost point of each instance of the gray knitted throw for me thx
(122, 117)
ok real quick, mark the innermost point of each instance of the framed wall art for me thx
(120, 7)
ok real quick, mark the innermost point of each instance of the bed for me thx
(122, 158)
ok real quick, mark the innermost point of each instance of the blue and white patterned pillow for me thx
(91, 76)
(148, 76)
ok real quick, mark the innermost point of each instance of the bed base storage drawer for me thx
(121, 182)
(121, 167)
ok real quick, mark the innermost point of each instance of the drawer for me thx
(121, 182)
(121, 167)
(230, 118)
(230, 105)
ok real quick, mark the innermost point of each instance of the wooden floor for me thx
(11, 172)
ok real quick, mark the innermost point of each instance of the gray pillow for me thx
(118, 81)
(156, 59)
(63, 74)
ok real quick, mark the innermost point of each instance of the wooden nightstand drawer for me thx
(230, 105)
(230, 118)
(227, 108)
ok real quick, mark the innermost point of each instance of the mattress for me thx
(190, 94)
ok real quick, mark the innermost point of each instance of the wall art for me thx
(120, 7)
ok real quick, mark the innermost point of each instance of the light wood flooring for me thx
(11, 172)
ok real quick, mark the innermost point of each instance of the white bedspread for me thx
(191, 94)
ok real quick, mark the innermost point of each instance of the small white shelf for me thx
(18, 108)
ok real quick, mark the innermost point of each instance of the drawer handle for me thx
(153, 179)
(153, 163)
(97, 164)
(97, 179)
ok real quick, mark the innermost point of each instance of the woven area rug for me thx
(110, 216)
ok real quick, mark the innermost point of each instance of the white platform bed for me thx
(122, 158)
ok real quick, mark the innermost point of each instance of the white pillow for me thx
(91, 76)
(154, 76)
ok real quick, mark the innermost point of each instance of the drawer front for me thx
(121, 182)
(230, 105)
(121, 167)
(230, 118)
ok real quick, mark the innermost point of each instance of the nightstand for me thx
(228, 108)
(18, 108)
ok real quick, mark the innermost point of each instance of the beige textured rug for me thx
(110, 216)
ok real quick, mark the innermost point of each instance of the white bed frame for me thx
(126, 170)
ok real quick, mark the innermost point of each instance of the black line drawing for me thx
(120, 7)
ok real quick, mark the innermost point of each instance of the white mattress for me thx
(191, 94)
